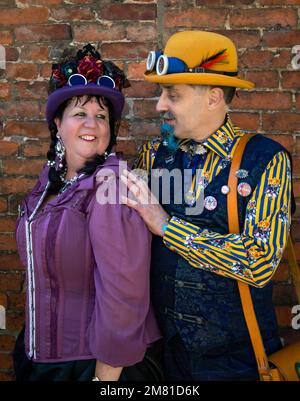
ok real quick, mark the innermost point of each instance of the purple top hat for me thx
(86, 74)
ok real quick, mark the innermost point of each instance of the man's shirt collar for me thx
(221, 141)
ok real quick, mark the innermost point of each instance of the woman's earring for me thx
(60, 150)
(105, 154)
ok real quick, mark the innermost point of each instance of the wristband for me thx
(96, 379)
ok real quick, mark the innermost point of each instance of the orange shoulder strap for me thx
(233, 223)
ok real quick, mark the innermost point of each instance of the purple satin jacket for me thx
(87, 268)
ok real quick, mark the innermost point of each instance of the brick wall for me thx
(34, 32)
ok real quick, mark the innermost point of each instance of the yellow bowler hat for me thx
(196, 57)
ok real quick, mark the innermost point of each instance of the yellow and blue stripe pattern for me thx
(253, 255)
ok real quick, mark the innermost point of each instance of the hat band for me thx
(172, 65)
(200, 70)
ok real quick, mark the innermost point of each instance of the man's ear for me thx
(215, 97)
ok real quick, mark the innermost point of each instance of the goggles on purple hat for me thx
(86, 74)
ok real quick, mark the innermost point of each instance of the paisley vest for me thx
(202, 307)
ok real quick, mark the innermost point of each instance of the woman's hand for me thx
(144, 202)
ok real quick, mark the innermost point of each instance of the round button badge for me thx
(244, 189)
(210, 203)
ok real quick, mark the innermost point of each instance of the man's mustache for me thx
(167, 116)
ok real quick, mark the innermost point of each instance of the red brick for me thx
(211, 18)
(7, 224)
(284, 294)
(80, 1)
(298, 144)
(284, 315)
(296, 165)
(16, 185)
(43, 33)
(99, 32)
(263, 79)
(45, 70)
(145, 109)
(14, 322)
(144, 129)
(69, 14)
(281, 121)
(281, 38)
(263, 100)
(6, 361)
(22, 167)
(42, 2)
(7, 342)
(123, 129)
(296, 228)
(282, 59)
(296, 183)
(263, 17)
(10, 281)
(3, 300)
(225, 3)
(136, 70)
(31, 90)
(7, 243)
(141, 89)
(10, 261)
(285, 140)
(22, 109)
(135, 12)
(290, 79)
(25, 71)
(4, 91)
(16, 302)
(36, 148)
(3, 205)
(34, 52)
(256, 59)
(8, 148)
(146, 30)
(279, 2)
(298, 102)
(6, 37)
(32, 15)
(11, 54)
(243, 39)
(124, 50)
(282, 273)
(35, 129)
(128, 147)
(246, 121)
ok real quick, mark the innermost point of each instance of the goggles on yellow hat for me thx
(196, 57)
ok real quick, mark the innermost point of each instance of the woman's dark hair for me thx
(90, 165)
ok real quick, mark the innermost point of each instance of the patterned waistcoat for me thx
(202, 307)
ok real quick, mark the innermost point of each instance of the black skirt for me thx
(149, 369)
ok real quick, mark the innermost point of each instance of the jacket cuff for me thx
(179, 234)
